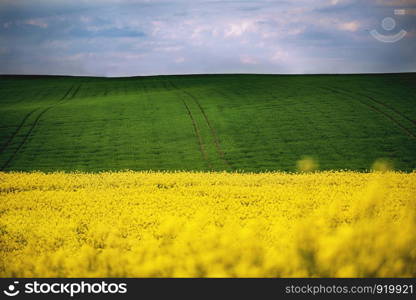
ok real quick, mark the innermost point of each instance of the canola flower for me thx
(155, 224)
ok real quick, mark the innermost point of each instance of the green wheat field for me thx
(247, 123)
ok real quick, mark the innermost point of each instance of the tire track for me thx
(198, 135)
(194, 125)
(384, 105)
(213, 131)
(372, 107)
(214, 135)
(73, 95)
(22, 123)
(5, 145)
(35, 123)
(391, 108)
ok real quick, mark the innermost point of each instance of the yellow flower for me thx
(190, 224)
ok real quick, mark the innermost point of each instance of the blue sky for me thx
(147, 37)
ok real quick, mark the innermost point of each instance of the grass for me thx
(251, 123)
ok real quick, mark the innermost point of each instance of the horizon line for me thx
(206, 74)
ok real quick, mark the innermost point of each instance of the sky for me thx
(153, 37)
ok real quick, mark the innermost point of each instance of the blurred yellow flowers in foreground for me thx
(153, 224)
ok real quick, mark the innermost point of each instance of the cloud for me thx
(121, 37)
(397, 3)
(248, 60)
(36, 22)
(280, 56)
(240, 28)
(350, 26)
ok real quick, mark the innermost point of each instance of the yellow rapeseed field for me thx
(154, 224)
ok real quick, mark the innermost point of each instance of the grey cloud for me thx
(120, 37)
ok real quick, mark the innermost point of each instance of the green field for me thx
(207, 122)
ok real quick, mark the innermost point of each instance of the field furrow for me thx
(34, 124)
(378, 110)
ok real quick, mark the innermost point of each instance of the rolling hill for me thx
(248, 123)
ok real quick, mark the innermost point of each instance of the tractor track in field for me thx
(391, 108)
(22, 123)
(198, 134)
(35, 123)
(372, 107)
(19, 127)
(214, 135)
(5, 145)
(212, 129)
(194, 125)
(384, 105)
